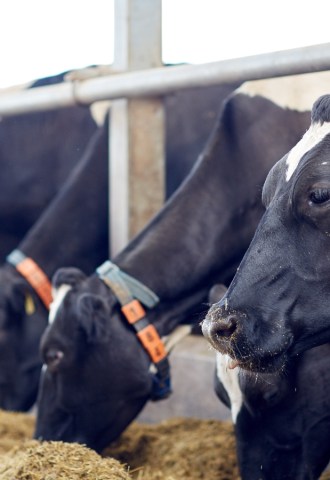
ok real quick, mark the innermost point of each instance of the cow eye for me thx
(53, 358)
(319, 195)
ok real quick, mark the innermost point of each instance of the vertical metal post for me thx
(137, 126)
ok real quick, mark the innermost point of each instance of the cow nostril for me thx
(225, 327)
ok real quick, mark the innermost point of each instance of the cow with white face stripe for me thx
(277, 305)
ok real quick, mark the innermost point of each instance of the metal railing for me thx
(160, 81)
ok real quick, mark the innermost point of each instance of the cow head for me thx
(278, 303)
(23, 318)
(96, 377)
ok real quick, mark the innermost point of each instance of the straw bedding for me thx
(176, 449)
(58, 461)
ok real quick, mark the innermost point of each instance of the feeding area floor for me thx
(175, 449)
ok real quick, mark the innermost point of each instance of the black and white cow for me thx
(275, 309)
(98, 375)
(277, 304)
(274, 315)
(73, 230)
(281, 419)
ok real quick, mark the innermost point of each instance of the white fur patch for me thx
(297, 92)
(229, 378)
(311, 138)
(58, 297)
(99, 111)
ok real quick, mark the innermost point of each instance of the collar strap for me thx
(33, 274)
(131, 294)
(126, 287)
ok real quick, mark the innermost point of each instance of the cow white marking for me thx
(297, 92)
(58, 297)
(311, 138)
(229, 378)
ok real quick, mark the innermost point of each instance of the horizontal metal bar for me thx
(158, 81)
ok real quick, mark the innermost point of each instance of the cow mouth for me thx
(261, 364)
(253, 359)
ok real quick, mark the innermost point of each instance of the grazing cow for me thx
(73, 230)
(98, 376)
(281, 419)
(277, 305)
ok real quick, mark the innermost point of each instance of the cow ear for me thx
(68, 276)
(94, 317)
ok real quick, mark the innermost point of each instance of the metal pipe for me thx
(158, 81)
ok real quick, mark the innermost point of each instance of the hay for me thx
(14, 428)
(58, 461)
(178, 449)
(325, 475)
(22, 458)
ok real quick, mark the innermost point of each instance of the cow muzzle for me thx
(221, 327)
(232, 332)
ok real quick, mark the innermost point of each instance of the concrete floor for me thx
(192, 370)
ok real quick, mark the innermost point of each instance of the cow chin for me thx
(65, 429)
(271, 363)
(104, 431)
(93, 427)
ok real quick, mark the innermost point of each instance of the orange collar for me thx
(145, 331)
(130, 293)
(33, 274)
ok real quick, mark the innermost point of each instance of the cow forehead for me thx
(312, 137)
(58, 296)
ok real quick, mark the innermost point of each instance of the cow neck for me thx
(73, 229)
(170, 255)
(204, 229)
